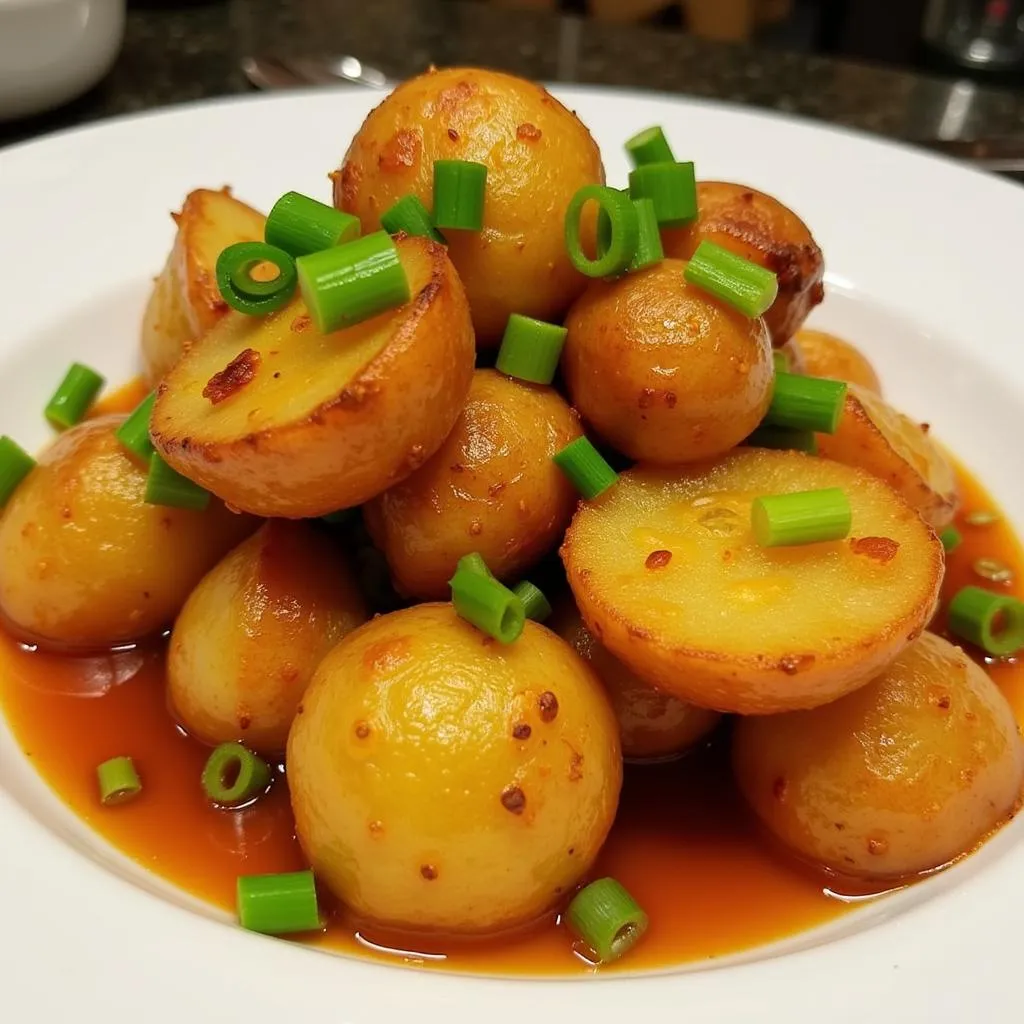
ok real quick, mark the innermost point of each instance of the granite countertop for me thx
(176, 53)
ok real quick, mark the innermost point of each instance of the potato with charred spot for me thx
(246, 644)
(820, 354)
(444, 782)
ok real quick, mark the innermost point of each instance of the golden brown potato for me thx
(874, 436)
(85, 562)
(491, 488)
(759, 228)
(443, 781)
(654, 725)
(663, 371)
(902, 776)
(280, 420)
(250, 635)
(668, 576)
(538, 155)
(185, 302)
(824, 355)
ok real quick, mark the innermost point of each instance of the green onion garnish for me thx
(607, 919)
(535, 605)
(951, 538)
(480, 599)
(649, 147)
(671, 186)
(530, 349)
(618, 239)
(166, 486)
(352, 282)
(134, 432)
(278, 904)
(804, 517)
(71, 400)
(300, 225)
(459, 190)
(234, 775)
(743, 285)
(118, 781)
(411, 216)
(585, 467)
(993, 622)
(648, 246)
(806, 403)
(15, 465)
(241, 291)
(784, 438)
(781, 359)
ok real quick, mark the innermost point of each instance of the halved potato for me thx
(874, 436)
(668, 576)
(821, 354)
(281, 420)
(185, 302)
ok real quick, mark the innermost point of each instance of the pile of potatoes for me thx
(443, 781)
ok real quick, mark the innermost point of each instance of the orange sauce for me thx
(683, 843)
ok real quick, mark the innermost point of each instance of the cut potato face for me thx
(874, 436)
(900, 777)
(311, 423)
(668, 576)
(820, 354)
(186, 302)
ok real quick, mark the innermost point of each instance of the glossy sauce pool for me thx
(683, 843)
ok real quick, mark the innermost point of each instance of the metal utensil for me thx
(272, 72)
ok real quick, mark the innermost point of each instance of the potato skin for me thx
(538, 154)
(491, 488)
(326, 421)
(185, 302)
(825, 355)
(759, 228)
(245, 645)
(898, 778)
(441, 781)
(85, 562)
(664, 372)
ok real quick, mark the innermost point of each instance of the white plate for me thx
(924, 272)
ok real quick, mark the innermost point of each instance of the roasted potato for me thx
(443, 781)
(902, 776)
(821, 354)
(874, 436)
(185, 302)
(491, 488)
(759, 228)
(250, 635)
(280, 420)
(538, 155)
(663, 371)
(654, 725)
(668, 576)
(85, 562)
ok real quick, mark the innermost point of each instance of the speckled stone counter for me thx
(177, 54)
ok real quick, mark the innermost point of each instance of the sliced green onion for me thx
(743, 285)
(118, 781)
(785, 438)
(241, 291)
(459, 190)
(15, 465)
(71, 400)
(278, 904)
(535, 605)
(804, 517)
(618, 240)
(530, 349)
(781, 359)
(166, 486)
(234, 775)
(648, 246)
(480, 599)
(352, 282)
(993, 622)
(585, 467)
(650, 147)
(671, 186)
(951, 538)
(474, 562)
(134, 432)
(300, 225)
(411, 216)
(607, 919)
(806, 403)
